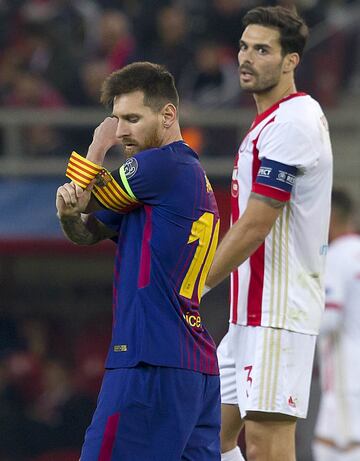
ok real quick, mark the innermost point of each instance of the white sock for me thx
(323, 452)
(232, 455)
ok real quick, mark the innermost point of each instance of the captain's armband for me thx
(106, 189)
(81, 170)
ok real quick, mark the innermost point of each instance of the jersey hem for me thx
(303, 332)
(155, 364)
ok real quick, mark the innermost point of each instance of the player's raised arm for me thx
(104, 138)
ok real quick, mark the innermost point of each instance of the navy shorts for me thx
(150, 413)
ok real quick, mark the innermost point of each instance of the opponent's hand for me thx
(104, 137)
(71, 200)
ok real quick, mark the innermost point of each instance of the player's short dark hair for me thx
(154, 80)
(342, 202)
(292, 28)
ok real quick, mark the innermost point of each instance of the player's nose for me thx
(245, 56)
(122, 129)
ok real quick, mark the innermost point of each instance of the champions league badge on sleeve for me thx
(130, 167)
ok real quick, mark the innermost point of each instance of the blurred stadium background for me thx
(55, 303)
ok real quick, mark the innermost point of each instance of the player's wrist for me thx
(68, 216)
(97, 152)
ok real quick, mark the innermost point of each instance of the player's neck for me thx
(265, 100)
(173, 134)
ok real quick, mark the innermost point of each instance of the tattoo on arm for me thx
(270, 201)
(85, 229)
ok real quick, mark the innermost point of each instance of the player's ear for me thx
(291, 61)
(169, 115)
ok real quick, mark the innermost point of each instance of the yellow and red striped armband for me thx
(114, 197)
(82, 171)
(106, 189)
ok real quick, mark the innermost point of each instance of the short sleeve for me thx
(289, 144)
(147, 176)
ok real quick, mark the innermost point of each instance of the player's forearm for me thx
(237, 245)
(104, 138)
(96, 153)
(76, 230)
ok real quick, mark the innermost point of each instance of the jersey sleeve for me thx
(288, 144)
(142, 179)
(147, 176)
(284, 152)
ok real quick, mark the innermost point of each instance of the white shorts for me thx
(266, 369)
(339, 418)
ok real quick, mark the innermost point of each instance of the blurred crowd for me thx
(56, 53)
(48, 386)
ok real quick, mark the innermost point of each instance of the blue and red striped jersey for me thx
(165, 248)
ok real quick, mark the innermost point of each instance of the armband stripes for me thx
(109, 193)
(82, 171)
(114, 197)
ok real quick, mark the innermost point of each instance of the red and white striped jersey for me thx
(281, 284)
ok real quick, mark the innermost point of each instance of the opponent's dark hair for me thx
(154, 80)
(342, 202)
(293, 30)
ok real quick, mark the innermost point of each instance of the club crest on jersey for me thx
(130, 167)
(234, 183)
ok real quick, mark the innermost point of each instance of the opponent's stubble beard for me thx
(264, 82)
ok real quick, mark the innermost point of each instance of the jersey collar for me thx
(260, 117)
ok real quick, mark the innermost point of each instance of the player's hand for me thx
(104, 137)
(71, 200)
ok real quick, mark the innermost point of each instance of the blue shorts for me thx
(150, 413)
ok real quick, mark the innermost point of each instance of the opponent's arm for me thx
(71, 202)
(244, 237)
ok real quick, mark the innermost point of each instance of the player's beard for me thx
(152, 140)
(262, 83)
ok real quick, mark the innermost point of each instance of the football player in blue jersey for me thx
(159, 398)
